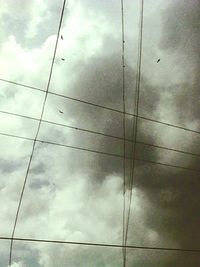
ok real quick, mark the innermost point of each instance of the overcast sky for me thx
(76, 195)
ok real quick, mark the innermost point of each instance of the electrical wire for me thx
(136, 112)
(124, 132)
(100, 244)
(107, 108)
(100, 152)
(135, 115)
(38, 129)
(100, 133)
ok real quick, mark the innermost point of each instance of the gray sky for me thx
(75, 195)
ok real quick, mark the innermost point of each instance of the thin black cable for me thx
(99, 244)
(23, 85)
(107, 108)
(137, 99)
(169, 149)
(38, 129)
(124, 132)
(133, 147)
(64, 125)
(134, 142)
(100, 133)
(100, 152)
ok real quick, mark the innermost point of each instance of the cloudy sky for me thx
(77, 195)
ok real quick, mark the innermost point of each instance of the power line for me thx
(99, 244)
(169, 149)
(23, 85)
(38, 129)
(65, 125)
(100, 133)
(63, 145)
(107, 108)
(136, 112)
(36, 140)
(124, 133)
(100, 152)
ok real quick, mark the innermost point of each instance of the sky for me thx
(77, 195)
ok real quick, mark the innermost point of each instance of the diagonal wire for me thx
(101, 152)
(65, 125)
(40, 121)
(105, 107)
(100, 133)
(38, 129)
(135, 122)
(23, 85)
(90, 244)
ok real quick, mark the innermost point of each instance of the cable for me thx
(38, 129)
(22, 85)
(65, 125)
(136, 112)
(99, 244)
(107, 108)
(35, 140)
(124, 132)
(101, 152)
(100, 133)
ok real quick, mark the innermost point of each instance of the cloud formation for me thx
(75, 195)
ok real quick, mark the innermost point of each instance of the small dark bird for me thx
(61, 37)
(158, 60)
(60, 111)
(62, 59)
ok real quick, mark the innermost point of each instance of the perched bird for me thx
(62, 59)
(158, 60)
(61, 37)
(60, 111)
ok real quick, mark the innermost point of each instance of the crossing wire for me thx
(135, 122)
(101, 152)
(124, 113)
(104, 107)
(100, 133)
(38, 129)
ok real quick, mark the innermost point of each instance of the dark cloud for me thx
(173, 194)
(38, 169)
(38, 184)
(181, 39)
(23, 252)
(172, 209)
(99, 81)
(11, 165)
(181, 28)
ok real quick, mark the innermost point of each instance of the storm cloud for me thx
(77, 195)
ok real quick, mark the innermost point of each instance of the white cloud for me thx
(17, 264)
(74, 195)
